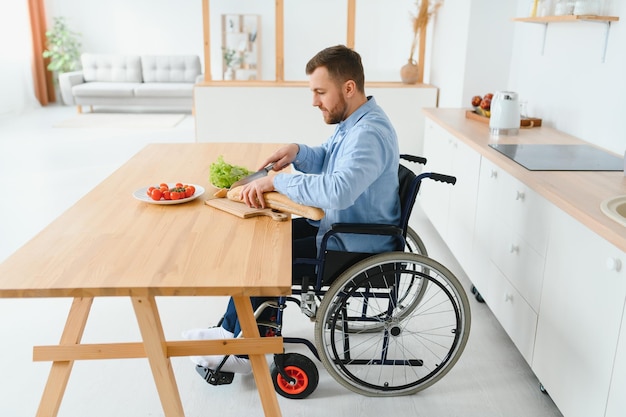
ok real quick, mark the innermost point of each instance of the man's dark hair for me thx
(342, 63)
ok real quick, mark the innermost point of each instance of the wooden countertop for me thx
(578, 193)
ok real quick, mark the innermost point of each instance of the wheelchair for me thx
(386, 324)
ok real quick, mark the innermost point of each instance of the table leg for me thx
(156, 351)
(60, 371)
(259, 365)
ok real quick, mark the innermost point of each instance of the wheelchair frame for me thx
(386, 324)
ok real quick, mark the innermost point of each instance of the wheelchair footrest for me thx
(215, 377)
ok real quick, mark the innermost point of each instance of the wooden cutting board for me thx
(243, 211)
(525, 122)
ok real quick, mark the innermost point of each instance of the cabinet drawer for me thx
(515, 315)
(518, 261)
(523, 211)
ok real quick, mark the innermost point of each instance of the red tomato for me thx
(156, 194)
(179, 185)
(162, 185)
(166, 195)
(189, 192)
(174, 195)
(149, 191)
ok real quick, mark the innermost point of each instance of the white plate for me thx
(141, 195)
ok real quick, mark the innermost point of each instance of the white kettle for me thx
(505, 116)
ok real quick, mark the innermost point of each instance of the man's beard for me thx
(337, 114)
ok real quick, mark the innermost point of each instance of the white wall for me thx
(569, 86)
(477, 48)
(134, 27)
(383, 30)
(471, 49)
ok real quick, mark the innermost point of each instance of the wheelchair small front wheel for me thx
(303, 372)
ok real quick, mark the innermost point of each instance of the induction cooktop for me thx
(548, 157)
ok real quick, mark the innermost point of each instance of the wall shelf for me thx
(567, 18)
(544, 20)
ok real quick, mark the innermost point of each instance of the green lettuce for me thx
(223, 175)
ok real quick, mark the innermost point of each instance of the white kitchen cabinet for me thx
(616, 406)
(514, 313)
(451, 209)
(582, 304)
(519, 220)
(507, 269)
(556, 283)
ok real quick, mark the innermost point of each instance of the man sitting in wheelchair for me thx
(353, 177)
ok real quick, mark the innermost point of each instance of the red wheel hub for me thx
(301, 383)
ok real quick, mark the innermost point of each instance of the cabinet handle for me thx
(514, 248)
(614, 264)
(493, 174)
(520, 196)
(508, 298)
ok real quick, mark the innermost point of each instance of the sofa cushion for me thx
(111, 68)
(104, 89)
(170, 68)
(164, 90)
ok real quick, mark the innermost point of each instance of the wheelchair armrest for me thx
(365, 229)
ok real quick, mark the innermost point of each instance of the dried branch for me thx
(425, 10)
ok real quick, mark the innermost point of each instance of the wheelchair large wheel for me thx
(411, 350)
(415, 288)
(409, 293)
(414, 243)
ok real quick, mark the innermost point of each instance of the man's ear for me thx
(349, 88)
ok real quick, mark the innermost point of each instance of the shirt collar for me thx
(357, 114)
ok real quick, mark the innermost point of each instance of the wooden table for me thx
(110, 244)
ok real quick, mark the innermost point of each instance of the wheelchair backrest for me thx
(336, 261)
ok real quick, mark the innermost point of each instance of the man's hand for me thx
(252, 193)
(282, 157)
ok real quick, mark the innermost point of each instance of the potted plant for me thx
(63, 47)
(231, 59)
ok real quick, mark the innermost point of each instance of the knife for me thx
(259, 174)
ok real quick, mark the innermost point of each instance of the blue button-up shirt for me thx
(353, 177)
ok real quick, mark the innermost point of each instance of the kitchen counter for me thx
(578, 193)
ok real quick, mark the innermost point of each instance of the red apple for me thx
(476, 101)
(485, 104)
(489, 96)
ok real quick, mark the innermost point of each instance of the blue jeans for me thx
(303, 246)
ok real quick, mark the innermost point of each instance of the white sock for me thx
(233, 363)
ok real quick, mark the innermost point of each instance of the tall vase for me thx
(409, 73)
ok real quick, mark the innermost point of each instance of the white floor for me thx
(44, 170)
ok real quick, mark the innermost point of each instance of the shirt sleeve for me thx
(356, 163)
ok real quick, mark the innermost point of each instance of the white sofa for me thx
(132, 80)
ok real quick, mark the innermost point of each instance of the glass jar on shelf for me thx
(564, 7)
(587, 7)
(545, 8)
